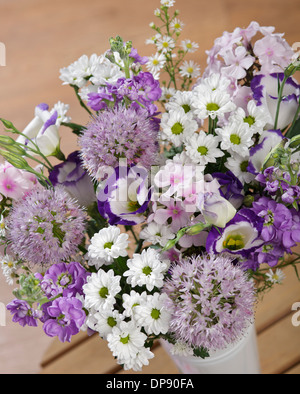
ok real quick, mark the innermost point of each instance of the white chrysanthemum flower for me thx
(131, 301)
(236, 137)
(189, 69)
(86, 90)
(106, 321)
(275, 277)
(106, 72)
(101, 289)
(181, 349)
(167, 93)
(106, 245)
(157, 234)
(140, 360)
(238, 166)
(213, 103)
(9, 267)
(181, 100)
(165, 44)
(146, 269)
(125, 341)
(203, 148)
(156, 62)
(176, 25)
(153, 316)
(215, 81)
(177, 126)
(189, 46)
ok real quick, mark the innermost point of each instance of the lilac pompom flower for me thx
(115, 134)
(66, 317)
(76, 181)
(212, 301)
(46, 226)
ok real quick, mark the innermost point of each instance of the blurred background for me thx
(42, 36)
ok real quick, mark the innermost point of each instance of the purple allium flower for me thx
(46, 226)
(66, 318)
(75, 179)
(22, 313)
(118, 133)
(212, 300)
(65, 279)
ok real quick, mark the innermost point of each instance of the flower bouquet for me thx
(180, 206)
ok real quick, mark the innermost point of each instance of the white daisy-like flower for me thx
(238, 165)
(106, 72)
(157, 12)
(106, 321)
(140, 360)
(167, 3)
(181, 99)
(153, 316)
(181, 349)
(125, 341)
(257, 117)
(146, 269)
(101, 289)
(131, 301)
(189, 46)
(203, 148)
(167, 93)
(106, 245)
(165, 44)
(177, 126)
(157, 234)
(211, 103)
(236, 137)
(275, 277)
(9, 267)
(153, 39)
(189, 69)
(2, 226)
(156, 62)
(176, 25)
(215, 81)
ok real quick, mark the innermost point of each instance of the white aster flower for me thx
(189, 69)
(156, 62)
(167, 93)
(157, 234)
(189, 46)
(238, 164)
(2, 226)
(275, 277)
(167, 3)
(165, 44)
(177, 25)
(106, 245)
(100, 290)
(213, 103)
(146, 269)
(153, 39)
(181, 100)
(106, 321)
(177, 126)
(153, 316)
(203, 148)
(236, 137)
(9, 267)
(125, 341)
(131, 301)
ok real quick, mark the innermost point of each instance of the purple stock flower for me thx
(66, 318)
(117, 134)
(125, 196)
(23, 313)
(46, 226)
(75, 180)
(211, 299)
(137, 58)
(65, 279)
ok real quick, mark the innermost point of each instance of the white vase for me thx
(239, 358)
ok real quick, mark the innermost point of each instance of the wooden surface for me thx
(278, 342)
(42, 36)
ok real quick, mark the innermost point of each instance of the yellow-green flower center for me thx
(103, 292)
(234, 242)
(111, 321)
(202, 150)
(124, 340)
(212, 107)
(235, 139)
(177, 128)
(147, 270)
(108, 245)
(155, 313)
(250, 120)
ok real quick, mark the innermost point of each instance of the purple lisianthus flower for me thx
(240, 236)
(125, 196)
(66, 318)
(23, 313)
(75, 180)
(65, 279)
(230, 187)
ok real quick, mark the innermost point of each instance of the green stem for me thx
(76, 89)
(280, 97)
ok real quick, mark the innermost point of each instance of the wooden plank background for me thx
(42, 36)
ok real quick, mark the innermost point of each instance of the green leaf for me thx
(295, 130)
(201, 352)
